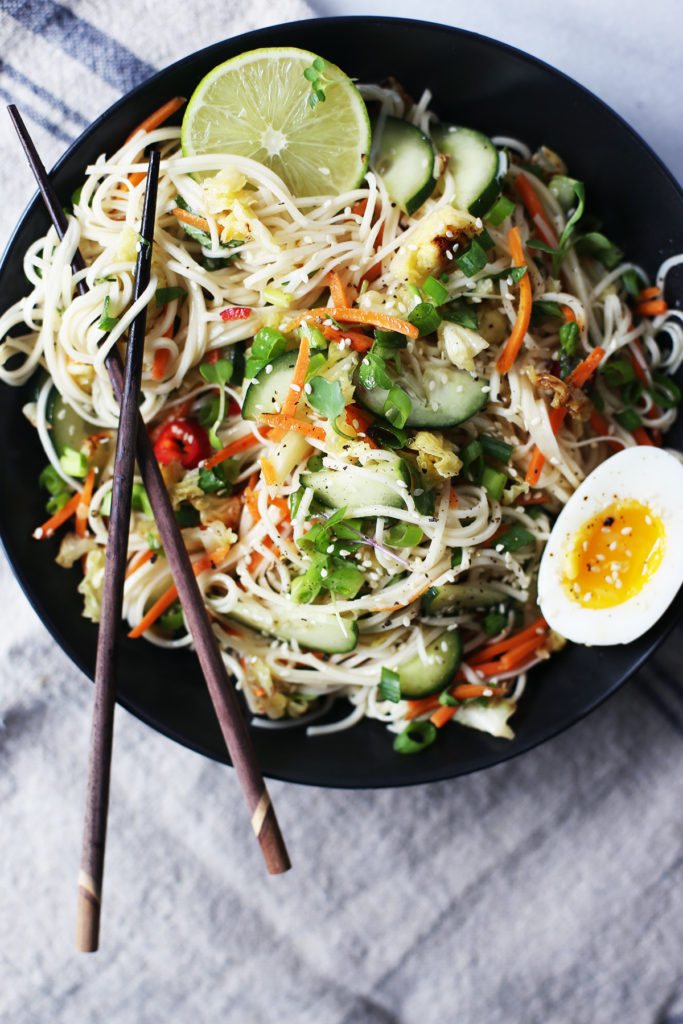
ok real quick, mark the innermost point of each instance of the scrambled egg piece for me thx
(227, 198)
(461, 344)
(425, 251)
(436, 458)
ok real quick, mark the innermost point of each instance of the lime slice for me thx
(257, 105)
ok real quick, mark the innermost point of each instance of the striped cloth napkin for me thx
(543, 891)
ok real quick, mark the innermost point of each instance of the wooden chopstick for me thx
(226, 705)
(101, 736)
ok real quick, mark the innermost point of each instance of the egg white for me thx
(655, 479)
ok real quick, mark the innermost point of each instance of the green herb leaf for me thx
(219, 372)
(186, 516)
(220, 479)
(569, 337)
(617, 372)
(597, 245)
(390, 685)
(425, 503)
(580, 193)
(460, 312)
(456, 558)
(513, 274)
(542, 308)
(164, 295)
(172, 619)
(372, 372)
(494, 622)
(56, 502)
(326, 398)
(403, 535)
(415, 737)
(633, 282)
(107, 322)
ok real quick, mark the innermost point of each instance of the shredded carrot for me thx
(359, 342)
(539, 498)
(421, 707)
(138, 561)
(234, 448)
(160, 362)
(250, 498)
(290, 423)
(357, 316)
(158, 117)
(136, 177)
(531, 631)
(442, 715)
(84, 504)
(337, 290)
(601, 426)
(577, 378)
(298, 379)
(568, 313)
(539, 217)
(360, 420)
(194, 220)
(61, 516)
(649, 293)
(360, 207)
(257, 557)
(268, 470)
(283, 505)
(211, 561)
(642, 437)
(586, 368)
(453, 501)
(521, 326)
(655, 307)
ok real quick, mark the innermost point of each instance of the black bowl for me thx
(474, 81)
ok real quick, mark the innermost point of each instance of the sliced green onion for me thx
(472, 456)
(73, 463)
(448, 700)
(495, 449)
(665, 392)
(220, 478)
(390, 339)
(305, 588)
(472, 260)
(403, 535)
(435, 291)
(628, 419)
(425, 317)
(172, 619)
(617, 372)
(107, 322)
(513, 539)
(390, 685)
(456, 557)
(56, 502)
(415, 737)
(397, 407)
(500, 211)
(386, 435)
(633, 282)
(494, 481)
(631, 392)
(51, 480)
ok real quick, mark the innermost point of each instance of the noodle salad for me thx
(369, 407)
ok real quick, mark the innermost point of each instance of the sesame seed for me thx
(412, 248)
(627, 530)
(418, 491)
(613, 545)
(295, 387)
(344, 552)
(307, 388)
(269, 368)
(487, 692)
(449, 234)
(449, 254)
(648, 520)
(443, 645)
(324, 170)
(587, 597)
(323, 573)
(330, 549)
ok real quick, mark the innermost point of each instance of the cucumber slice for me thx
(403, 157)
(343, 488)
(456, 396)
(475, 164)
(314, 629)
(269, 388)
(68, 429)
(454, 598)
(418, 680)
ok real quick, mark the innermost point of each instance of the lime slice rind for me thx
(256, 105)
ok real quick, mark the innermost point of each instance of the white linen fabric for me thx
(542, 891)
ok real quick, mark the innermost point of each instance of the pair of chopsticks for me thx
(133, 441)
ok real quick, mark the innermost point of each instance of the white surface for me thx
(540, 892)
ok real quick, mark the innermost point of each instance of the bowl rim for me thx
(251, 40)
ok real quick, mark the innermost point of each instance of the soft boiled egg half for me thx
(614, 559)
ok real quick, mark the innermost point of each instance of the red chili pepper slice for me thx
(185, 440)
(235, 313)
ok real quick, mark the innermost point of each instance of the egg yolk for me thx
(614, 554)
